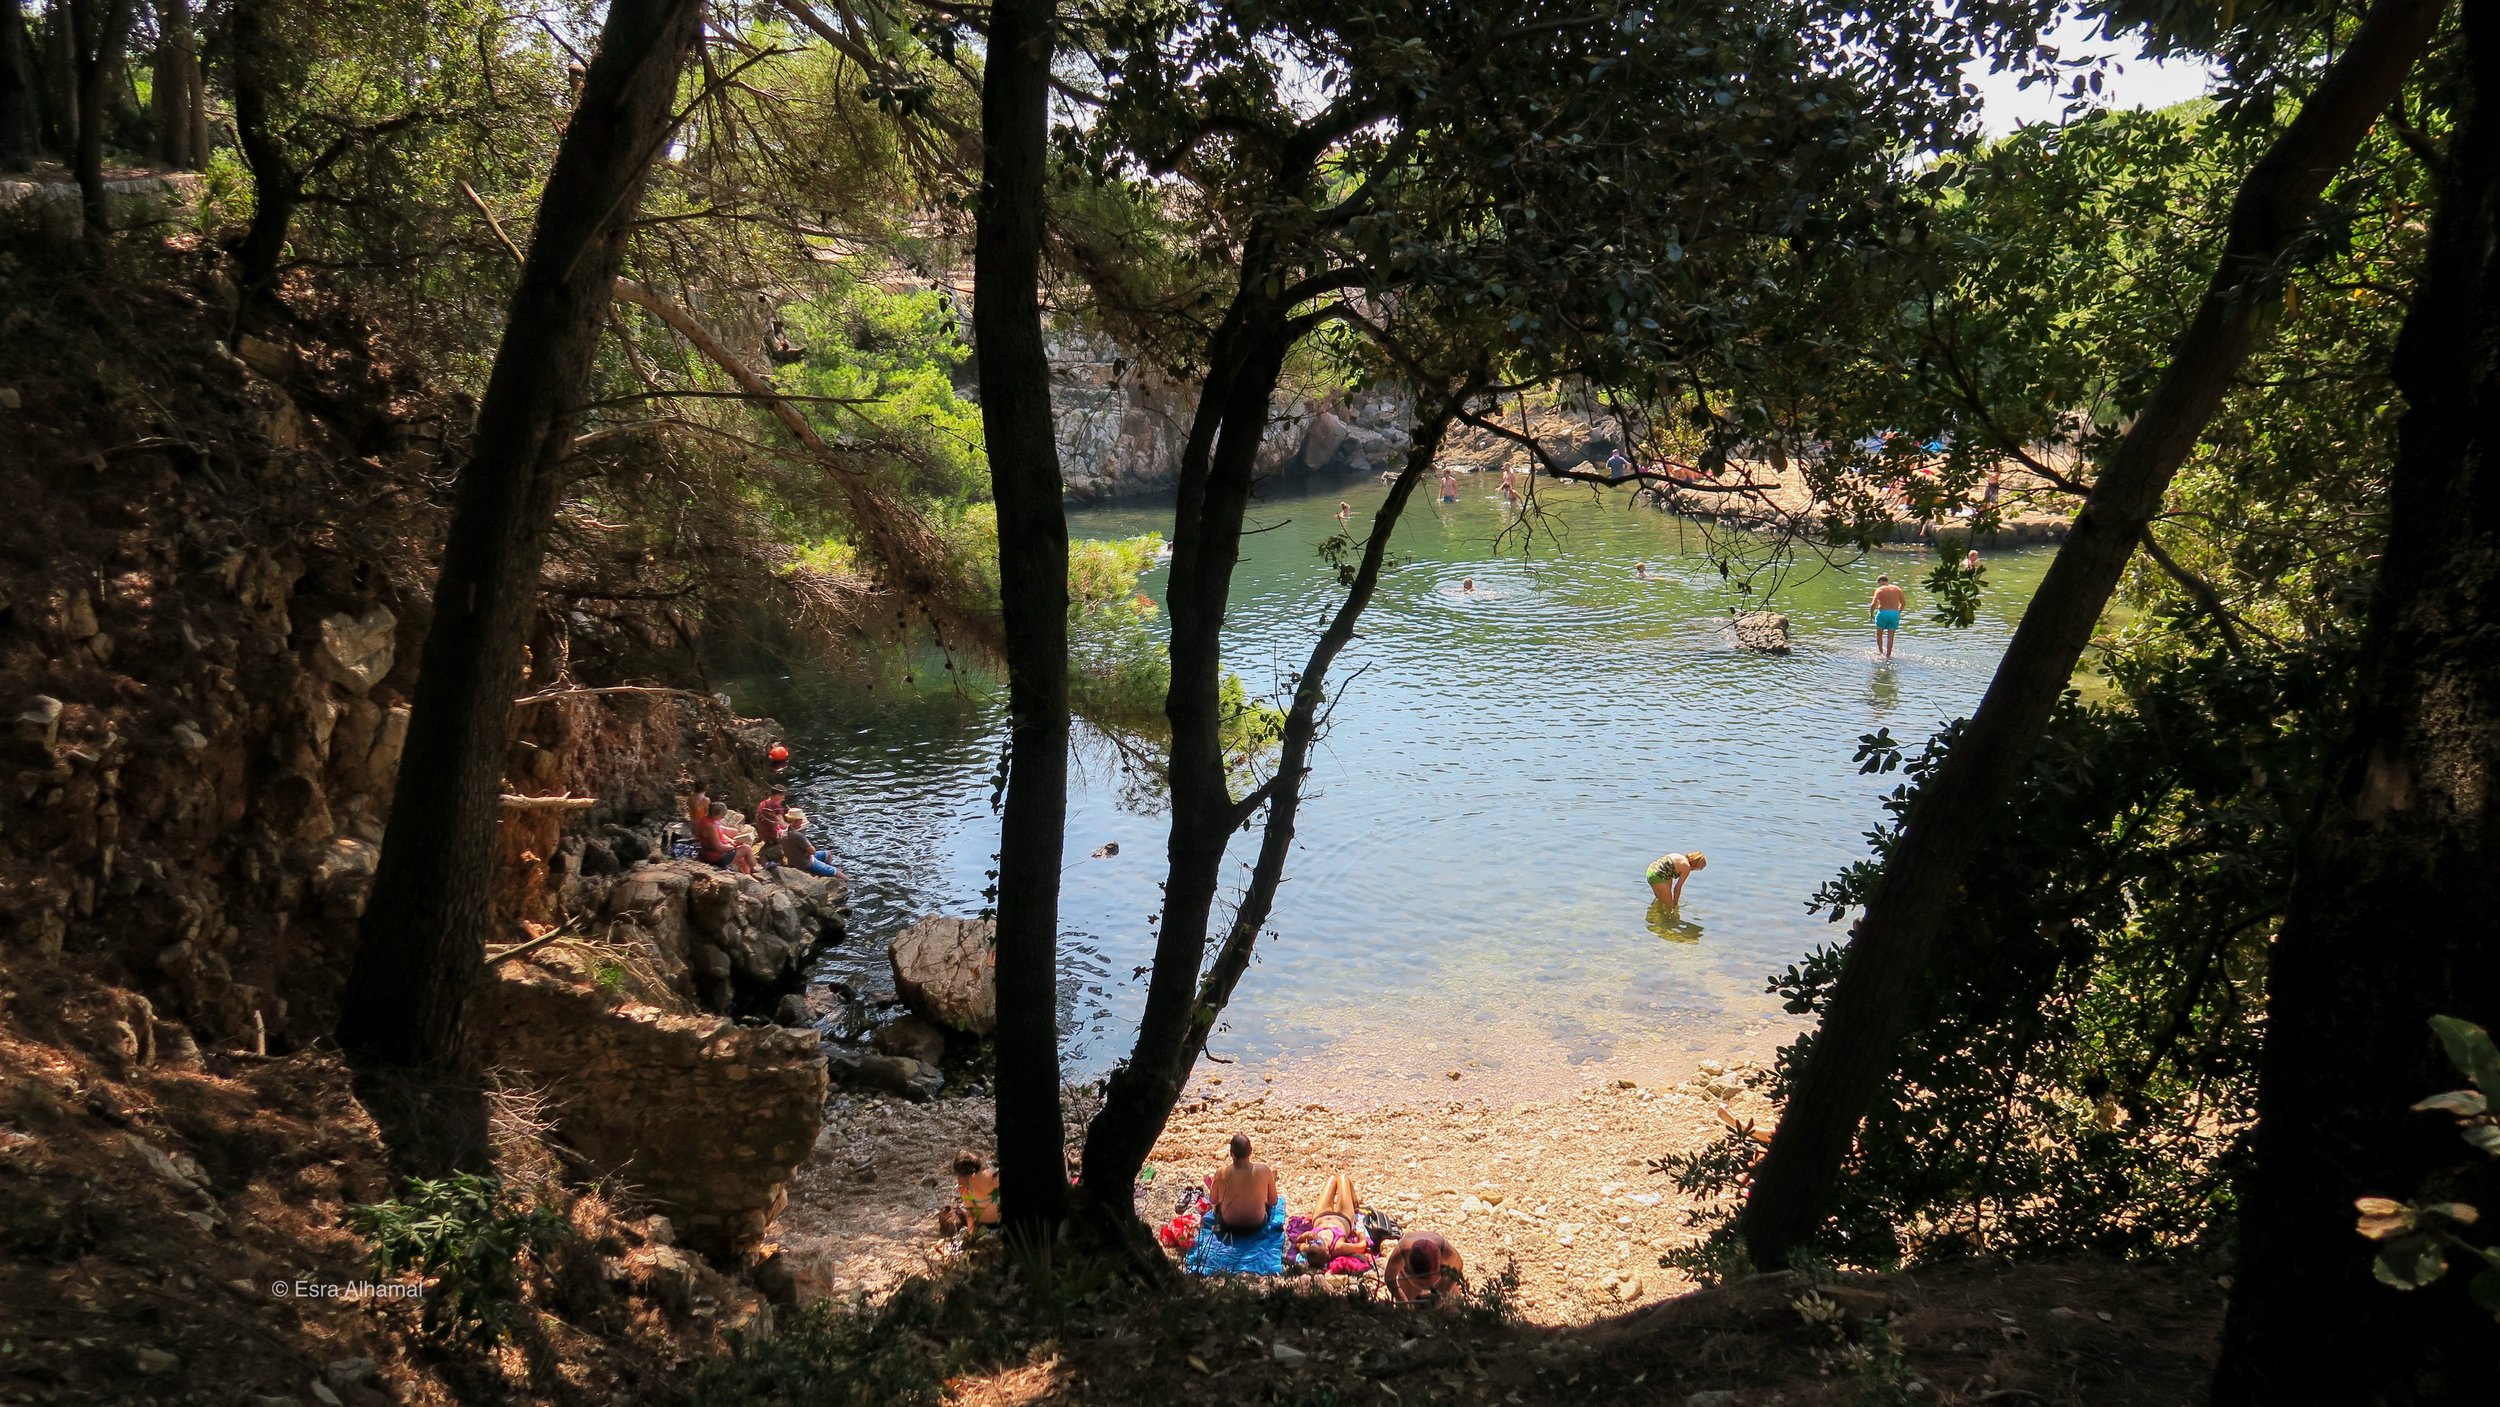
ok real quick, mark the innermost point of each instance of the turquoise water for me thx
(1466, 892)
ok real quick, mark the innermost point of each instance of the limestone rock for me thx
(911, 1037)
(888, 1074)
(946, 969)
(342, 875)
(355, 652)
(40, 724)
(1765, 631)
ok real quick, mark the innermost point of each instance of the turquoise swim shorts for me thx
(1887, 620)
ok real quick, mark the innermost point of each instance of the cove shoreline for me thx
(1555, 1186)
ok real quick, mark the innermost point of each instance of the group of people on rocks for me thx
(775, 835)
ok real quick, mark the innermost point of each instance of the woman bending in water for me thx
(1668, 872)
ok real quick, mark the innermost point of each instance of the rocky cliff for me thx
(1122, 425)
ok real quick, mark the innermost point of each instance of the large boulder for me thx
(746, 941)
(1766, 631)
(946, 970)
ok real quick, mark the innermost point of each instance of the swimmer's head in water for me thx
(1241, 1147)
(967, 1162)
(1467, 583)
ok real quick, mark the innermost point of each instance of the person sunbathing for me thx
(1336, 1232)
(1426, 1269)
(1244, 1192)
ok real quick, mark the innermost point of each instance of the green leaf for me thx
(2410, 1262)
(2464, 1103)
(2485, 1289)
(2470, 1050)
(2483, 1136)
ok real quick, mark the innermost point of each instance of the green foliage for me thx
(884, 363)
(1118, 667)
(1954, 589)
(2415, 1239)
(2080, 1068)
(470, 1237)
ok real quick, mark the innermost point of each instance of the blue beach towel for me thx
(1260, 1252)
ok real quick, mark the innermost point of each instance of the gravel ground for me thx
(1556, 1188)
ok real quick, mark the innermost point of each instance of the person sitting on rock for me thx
(1424, 1268)
(713, 846)
(698, 807)
(768, 813)
(1244, 1191)
(799, 852)
(976, 1187)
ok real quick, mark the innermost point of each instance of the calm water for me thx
(1467, 892)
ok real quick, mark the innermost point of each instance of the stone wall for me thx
(698, 1115)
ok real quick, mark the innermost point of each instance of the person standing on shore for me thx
(1886, 606)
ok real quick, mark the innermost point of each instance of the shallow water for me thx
(1467, 890)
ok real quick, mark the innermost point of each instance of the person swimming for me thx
(1640, 571)
(1345, 511)
(1466, 586)
(1885, 606)
(1668, 873)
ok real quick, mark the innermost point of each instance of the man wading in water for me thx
(1886, 608)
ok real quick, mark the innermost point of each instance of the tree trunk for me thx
(1848, 1059)
(2390, 919)
(421, 943)
(1033, 592)
(173, 95)
(1283, 796)
(256, 72)
(19, 120)
(98, 28)
(1247, 356)
(56, 80)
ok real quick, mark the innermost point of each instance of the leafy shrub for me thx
(2416, 1238)
(470, 1237)
(2079, 1072)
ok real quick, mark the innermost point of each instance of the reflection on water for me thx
(1493, 784)
(1672, 925)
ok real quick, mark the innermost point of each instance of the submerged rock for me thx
(897, 1075)
(946, 970)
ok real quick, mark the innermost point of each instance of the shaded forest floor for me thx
(2055, 1334)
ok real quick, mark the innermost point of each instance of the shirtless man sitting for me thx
(1245, 1192)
